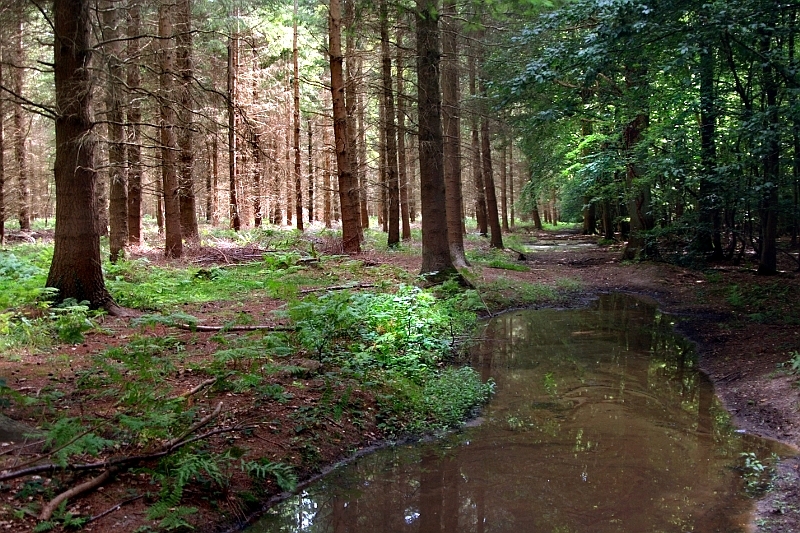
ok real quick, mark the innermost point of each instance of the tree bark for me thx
(2, 155)
(186, 195)
(402, 164)
(709, 238)
(436, 259)
(173, 246)
(134, 118)
(298, 184)
(348, 184)
(20, 150)
(311, 212)
(76, 266)
(496, 237)
(118, 179)
(233, 167)
(451, 123)
(768, 212)
(477, 176)
(393, 187)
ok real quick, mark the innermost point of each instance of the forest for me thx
(240, 239)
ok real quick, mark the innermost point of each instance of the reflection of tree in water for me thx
(631, 440)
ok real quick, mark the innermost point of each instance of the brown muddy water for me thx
(600, 423)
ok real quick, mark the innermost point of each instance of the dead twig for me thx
(114, 508)
(196, 389)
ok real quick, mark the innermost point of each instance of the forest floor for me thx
(746, 327)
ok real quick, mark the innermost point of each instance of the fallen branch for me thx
(339, 288)
(208, 329)
(52, 505)
(168, 448)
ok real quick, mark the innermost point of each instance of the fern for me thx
(263, 469)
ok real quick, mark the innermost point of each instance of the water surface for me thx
(600, 423)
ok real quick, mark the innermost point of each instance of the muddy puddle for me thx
(600, 423)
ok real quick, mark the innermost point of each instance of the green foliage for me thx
(441, 401)
(770, 302)
(264, 469)
(756, 473)
(494, 258)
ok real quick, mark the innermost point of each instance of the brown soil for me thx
(741, 356)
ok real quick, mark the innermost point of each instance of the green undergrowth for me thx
(770, 303)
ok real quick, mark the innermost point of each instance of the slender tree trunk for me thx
(169, 139)
(402, 164)
(134, 119)
(233, 167)
(589, 210)
(354, 106)
(477, 171)
(496, 239)
(118, 182)
(186, 194)
(504, 188)
(326, 178)
(255, 148)
(382, 186)
(298, 182)
(215, 177)
(20, 150)
(311, 212)
(511, 181)
(435, 245)
(76, 266)
(768, 260)
(451, 124)
(361, 160)
(2, 154)
(709, 238)
(348, 184)
(393, 187)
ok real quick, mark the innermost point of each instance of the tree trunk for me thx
(186, 195)
(496, 240)
(354, 106)
(709, 233)
(768, 212)
(402, 164)
(326, 178)
(348, 184)
(511, 181)
(76, 266)
(504, 188)
(298, 183)
(169, 139)
(393, 187)
(233, 167)
(134, 118)
(2, 155)
(451, 124)
(215, 177)
(311, 212)
(477, 176)
(20, 151)
(436, 259)
(118, 186)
